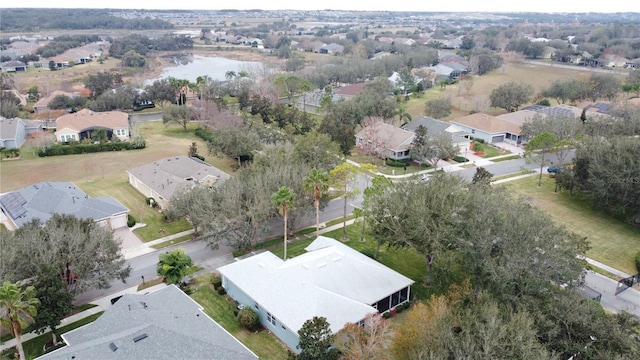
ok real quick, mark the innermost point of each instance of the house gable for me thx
(86, 120)
(162, 178)
(42, 200)
(331, 280)
(167, 324)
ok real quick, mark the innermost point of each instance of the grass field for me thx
(462, 103)
(103, 174)
(613, 241)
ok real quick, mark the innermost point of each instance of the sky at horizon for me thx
(547, 6)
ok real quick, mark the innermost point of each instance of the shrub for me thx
(221, 291)
(130, 220)
(216, 282)
(396, 163)
(386, 314)
(368, 253)
(152, 202)
(544, 102)
(74, 147)
(425, 165)
(638, 261)
(249, 319)
(10, 153)
(460, 159)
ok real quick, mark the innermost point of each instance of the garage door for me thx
(496, 139)
(119, 221)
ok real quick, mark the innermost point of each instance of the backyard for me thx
(103, 174)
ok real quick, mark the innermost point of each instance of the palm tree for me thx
(230, 74)
(18, 306)
(403, 114)
(284, 198)
(317, 183)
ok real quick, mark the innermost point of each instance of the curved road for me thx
(210, 259)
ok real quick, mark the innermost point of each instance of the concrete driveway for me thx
(128, 238)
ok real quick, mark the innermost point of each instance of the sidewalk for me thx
(473, 160)
(146, 248)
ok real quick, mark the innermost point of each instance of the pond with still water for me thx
(189, 67)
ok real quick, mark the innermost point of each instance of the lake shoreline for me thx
(164, 60)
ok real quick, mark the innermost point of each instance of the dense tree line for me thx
(62, 43)
(498, 262)
(142, 45)
(73, 19)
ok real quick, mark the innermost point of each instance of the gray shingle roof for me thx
(562, 110)
(168, 175)
(42, 200)
(9, 128)
(435, 126)
(175, 328)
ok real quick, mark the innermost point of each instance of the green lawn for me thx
(491, 151)
(103, 174)
(265, 345)
(33, 347)
(506, 158)
(613, 241)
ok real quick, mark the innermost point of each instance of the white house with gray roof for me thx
(330, 280)
(165, 324)
(42, 200)
(162, 178)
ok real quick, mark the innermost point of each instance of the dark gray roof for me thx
(42, 200)
(168, 175)
(13, 63)
(562, 110)
(9, 128)
(599, 107)
(435, 126)
(314, 98)
(175, 327)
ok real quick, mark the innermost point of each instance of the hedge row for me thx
(10, 153)
(60, 149)
(204, 134)
(460, 159)
(397, 163)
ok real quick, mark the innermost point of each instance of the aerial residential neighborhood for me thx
(319, 184)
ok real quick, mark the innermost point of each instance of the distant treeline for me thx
(72, 19)
(143, 45)
(62, 43)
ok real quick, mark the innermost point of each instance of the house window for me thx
(271, 319)
(121, 132)
(256, 306)
(473, 131)
(66, 138)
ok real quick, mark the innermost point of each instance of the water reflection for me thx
(189, 67)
